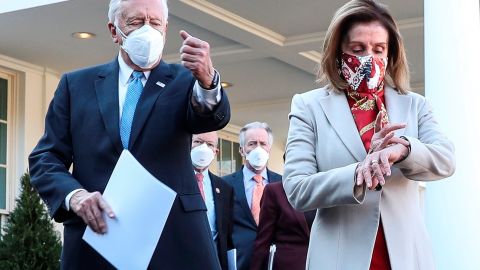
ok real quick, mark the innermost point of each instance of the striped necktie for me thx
(256, 197)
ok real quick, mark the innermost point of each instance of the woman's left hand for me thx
(376, 165)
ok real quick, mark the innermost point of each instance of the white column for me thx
(452, 84)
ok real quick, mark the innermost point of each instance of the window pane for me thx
(226, 164)
(3, 99)
(219, 165)
(3, 143)
(3, 192)
(237, 158)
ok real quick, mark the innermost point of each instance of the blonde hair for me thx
(363, 11)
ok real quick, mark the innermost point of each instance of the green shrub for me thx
(29, 240)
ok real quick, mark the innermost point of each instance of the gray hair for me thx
(115, 5)
(252, 126)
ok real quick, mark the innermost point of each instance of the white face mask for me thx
(144, 45)
(201, 156)
(258, 158)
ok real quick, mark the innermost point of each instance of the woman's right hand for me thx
(376, 165)
(385, 135)
(373, 169)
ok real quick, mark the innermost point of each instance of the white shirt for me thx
(124, 78)
(250, 183)
(210, 202)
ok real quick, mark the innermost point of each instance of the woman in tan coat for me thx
(358, 147)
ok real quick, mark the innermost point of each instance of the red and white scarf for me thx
(365, 76)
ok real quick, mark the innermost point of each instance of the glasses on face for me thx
(200, 142)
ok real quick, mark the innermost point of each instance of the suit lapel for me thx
(396, 104)
(299, 216)
(106, 88)
(302, 221)
(218, 201)
(239, 188)
(160, 75)
(271, 177)
(337, 110)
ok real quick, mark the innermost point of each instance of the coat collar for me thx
(239, 188)
(158, 80)
(218, 198)
(336, 108)
(398, 108)
(106, 88)
(302, 221)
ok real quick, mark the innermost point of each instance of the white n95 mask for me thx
(258, 158)
(144, 45)
(201, 156)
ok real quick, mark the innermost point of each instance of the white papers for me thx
(232, 259)
(141, 204)
(271, 256)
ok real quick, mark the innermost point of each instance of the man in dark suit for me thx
(217, 194)
(139, 103)
(248, 183)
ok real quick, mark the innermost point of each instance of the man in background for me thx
(217, 194)
(255, 141)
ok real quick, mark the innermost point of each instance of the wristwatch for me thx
(215, 80)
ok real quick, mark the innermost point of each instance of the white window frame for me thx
(11, 182)
(229, 133)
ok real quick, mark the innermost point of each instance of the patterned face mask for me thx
(363, 73)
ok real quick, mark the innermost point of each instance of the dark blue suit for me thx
(82, 128)
(223, 198)
(244, 226)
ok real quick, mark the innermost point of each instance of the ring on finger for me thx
(374, 161)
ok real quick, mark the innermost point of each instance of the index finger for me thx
(378, 121)
(105, 207)
(391, 127)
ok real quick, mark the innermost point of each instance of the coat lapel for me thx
(218, 201)
(159, 78)
(239, 188)
(271, 177)
(337, 110)
(300, 216)
(398, 108)
(106, 88)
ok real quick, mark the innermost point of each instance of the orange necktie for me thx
(257, 196)
(199, 177)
